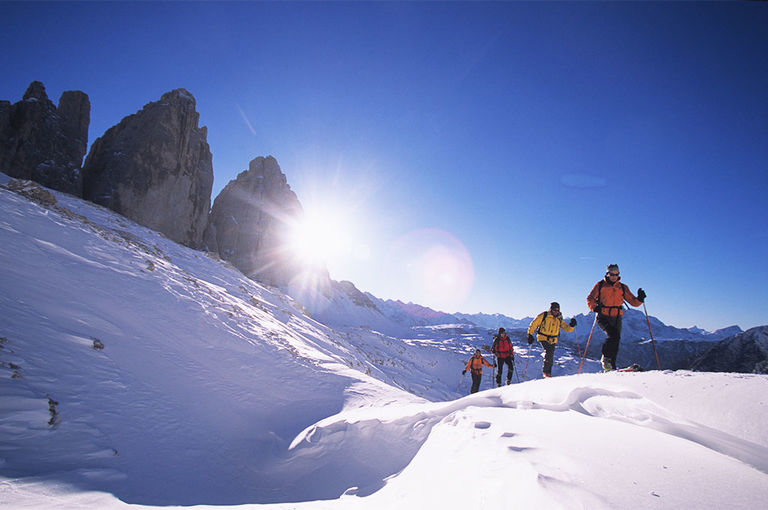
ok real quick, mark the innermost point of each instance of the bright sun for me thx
(322, 238)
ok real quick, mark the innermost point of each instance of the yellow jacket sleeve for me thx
(565, 326)
(535, 323)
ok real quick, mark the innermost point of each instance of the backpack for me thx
(542, 322)
(600, 290)
(506, 352)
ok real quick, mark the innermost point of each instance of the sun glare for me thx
(322, 238)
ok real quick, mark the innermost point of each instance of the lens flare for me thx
(437, 267)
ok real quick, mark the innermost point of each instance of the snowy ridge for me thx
(496, 320)
(136, 373)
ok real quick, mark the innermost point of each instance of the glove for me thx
(530, 339)
(463, 372)
(597, 309)
(573, 323)
(641, 295)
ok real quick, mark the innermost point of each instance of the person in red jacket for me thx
(505, 355)
(606, 299)
(475, 367)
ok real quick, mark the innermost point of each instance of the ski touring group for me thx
(606, 300)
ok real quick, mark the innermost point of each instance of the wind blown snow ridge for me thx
(138, 373)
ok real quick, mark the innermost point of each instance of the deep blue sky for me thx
(486, 157)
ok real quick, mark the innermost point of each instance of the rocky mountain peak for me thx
(251, 219)
(45, 143)
(179, 96)
(36, 92)
(355, 295)
(267, 168)
(155, 167)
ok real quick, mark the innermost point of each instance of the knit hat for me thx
(502, 330)
(612, 268)
(554, 304)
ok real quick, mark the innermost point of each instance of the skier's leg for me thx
(612, 328)
(549, 357)
(546, 368)
(617, 332)
(610, 345)
(476, 378)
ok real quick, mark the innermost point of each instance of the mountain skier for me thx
(475, 367)
(606, 299)
(505, 355)
(547, 327)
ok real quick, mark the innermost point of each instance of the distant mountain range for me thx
(746, 352)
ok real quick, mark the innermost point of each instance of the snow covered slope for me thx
(202, 370)
(138, 373)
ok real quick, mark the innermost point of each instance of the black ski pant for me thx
(500, 362)
(476, 380)
(612, 328)
(549, 356)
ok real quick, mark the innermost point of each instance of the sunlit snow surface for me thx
(213, 390)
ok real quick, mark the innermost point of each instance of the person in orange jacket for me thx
(475, 367)
(606, 299)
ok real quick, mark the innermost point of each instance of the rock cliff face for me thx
(45, 143)
(155, 167)
(251, 220)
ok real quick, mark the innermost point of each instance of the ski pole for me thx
(493, 373)
(461, 380)
(653, 342)
(525, 375)
(587, 346)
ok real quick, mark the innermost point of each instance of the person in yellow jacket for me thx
(475, 367)
(547, 326)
